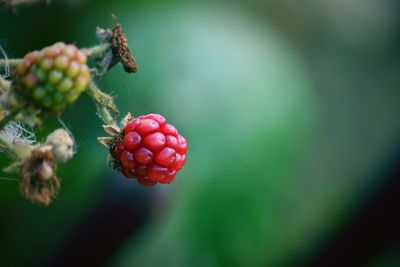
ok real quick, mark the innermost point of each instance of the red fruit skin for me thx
(128, 160)
(154, 141)
(128, 173)
(157, 117)
(119, 147)
(170, 178)
(144, 156)
(131, 126)
(182, 145)
(132, 141)
(179, 162)
(144, 180)
(147, 126)
(157, 173)
(141, 170)
(150, 150)
(169, 129)
(172, 141)
(165, 157)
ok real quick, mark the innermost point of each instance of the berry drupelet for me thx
(149, 149)
(51, 78)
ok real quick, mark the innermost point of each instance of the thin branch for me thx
(10, 62)
(105, 115)
(101, 98)
(104, 103)
(97, 51)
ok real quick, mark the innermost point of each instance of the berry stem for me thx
(97, 51)
(10, 62)
(100, 97)
(103, 102)
(105, 115)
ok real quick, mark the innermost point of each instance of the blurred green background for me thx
(291, 112)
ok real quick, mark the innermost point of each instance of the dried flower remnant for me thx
(39, 182)
(62, 145)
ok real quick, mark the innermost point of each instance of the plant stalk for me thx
(10, 62)
(104, 103)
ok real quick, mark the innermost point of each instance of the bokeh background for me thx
(292, 114)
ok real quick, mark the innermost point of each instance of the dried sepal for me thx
(111, 129)
(105, 141)
(128, 117)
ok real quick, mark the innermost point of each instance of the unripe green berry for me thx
(73, 69)
(46, 64)
(39, 93)
(72, 96)
(55, 76)
(40, 75)
(65, 85)
(30, 81)
(61, 62)
(46, 101)
(52, 78)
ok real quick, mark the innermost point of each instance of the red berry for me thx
(171, 141)
(165, 157)
(144, 156)
(131, 126)
(128, 173)
(182, 145)
(144, 180)
(169, 129)
(119, 147)
(141, 170)
(157, 117)
(150, 150)
(127, 159)
(147, 126)
(179, 162)
(157, 173)
(170, 178)
(132, 141)
(154, 141)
